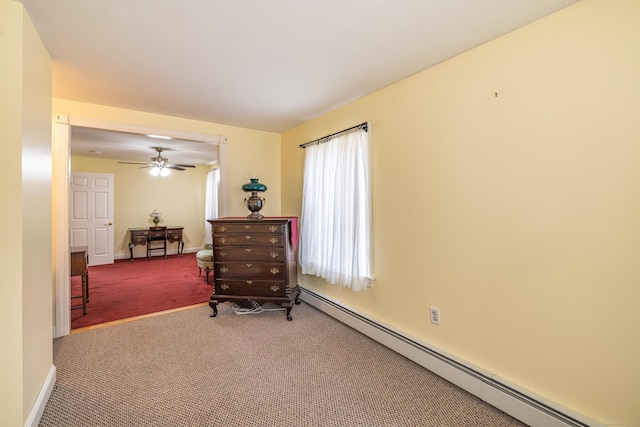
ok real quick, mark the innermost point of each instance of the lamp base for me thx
(255, 215)
(254, 204)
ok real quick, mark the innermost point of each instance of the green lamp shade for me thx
(254, 185)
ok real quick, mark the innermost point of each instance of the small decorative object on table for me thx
(254, 203)
(156, 216)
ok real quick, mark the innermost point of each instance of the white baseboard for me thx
(42, 399)
(521, 404)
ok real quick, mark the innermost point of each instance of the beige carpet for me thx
(187, 369)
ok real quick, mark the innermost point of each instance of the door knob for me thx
(109, 223)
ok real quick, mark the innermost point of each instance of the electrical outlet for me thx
(434, 313)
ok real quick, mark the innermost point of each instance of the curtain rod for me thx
(364, 126)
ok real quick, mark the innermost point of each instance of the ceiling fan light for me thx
(154, 171)
(165, 172)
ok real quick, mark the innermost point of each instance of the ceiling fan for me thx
(160, 165)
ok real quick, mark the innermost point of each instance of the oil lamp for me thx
(156, 216)
(254, 202)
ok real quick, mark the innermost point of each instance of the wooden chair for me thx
(157, 241)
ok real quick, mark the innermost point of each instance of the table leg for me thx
(85, 290)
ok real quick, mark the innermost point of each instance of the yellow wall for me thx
(516, 214)
(26, 354)
(248, 150)
(180, 197)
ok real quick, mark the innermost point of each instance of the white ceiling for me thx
(267, 65)
(107, 144)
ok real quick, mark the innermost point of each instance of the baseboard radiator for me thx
(523, 406)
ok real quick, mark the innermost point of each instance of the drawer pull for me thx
(273, 228)
(224, 286)
(275, 288)
(247, 237)
(274, 271)
(273, 254)
(223, 270)
(249, 282)
(223, 240)
(247, 227)
(274, 240)
(248, 250)
(223, 254)
(222, 228)
(248, 265)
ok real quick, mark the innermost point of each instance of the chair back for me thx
(157, 233)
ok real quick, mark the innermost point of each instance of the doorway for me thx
(61, 170)
(91, 215)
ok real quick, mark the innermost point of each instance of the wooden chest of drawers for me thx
(254, 260)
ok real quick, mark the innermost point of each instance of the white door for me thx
(91, 218)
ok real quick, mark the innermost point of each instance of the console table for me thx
(141, 236)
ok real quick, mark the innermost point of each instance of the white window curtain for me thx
(335, 224)
(211, 202)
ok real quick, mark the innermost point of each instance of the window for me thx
(335, 225)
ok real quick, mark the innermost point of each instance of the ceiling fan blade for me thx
(160, 162)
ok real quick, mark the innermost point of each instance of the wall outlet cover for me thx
(434, 314)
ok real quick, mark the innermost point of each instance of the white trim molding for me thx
(61, 174)
(146, 130)
(521, 404)
(41, 401)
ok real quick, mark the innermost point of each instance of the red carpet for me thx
(127, 289)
